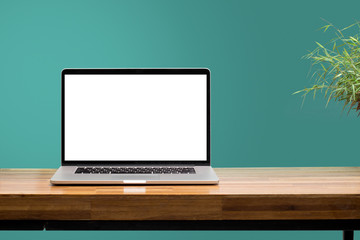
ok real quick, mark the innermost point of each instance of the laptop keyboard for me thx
(135, 170)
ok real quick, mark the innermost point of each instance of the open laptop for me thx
(135, 126)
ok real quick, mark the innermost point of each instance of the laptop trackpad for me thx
(139, 177)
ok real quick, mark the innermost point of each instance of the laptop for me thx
(135, 126)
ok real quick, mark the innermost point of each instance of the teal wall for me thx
(253, 49)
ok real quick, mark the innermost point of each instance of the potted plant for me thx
(338, 72)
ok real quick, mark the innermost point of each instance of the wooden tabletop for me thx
(242, 194)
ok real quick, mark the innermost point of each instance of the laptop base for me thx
(66, 175)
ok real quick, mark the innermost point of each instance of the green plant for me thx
(338, 73)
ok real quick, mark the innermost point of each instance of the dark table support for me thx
(348, 235)
(209, 225)
(22, 225)
(348, 226)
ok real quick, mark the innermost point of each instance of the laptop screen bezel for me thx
(187, 71)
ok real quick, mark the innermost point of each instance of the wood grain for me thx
(243, 194)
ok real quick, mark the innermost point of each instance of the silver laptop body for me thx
(135, 126)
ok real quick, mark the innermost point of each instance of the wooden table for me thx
(325, 198)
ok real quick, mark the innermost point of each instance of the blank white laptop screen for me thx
(135, 117)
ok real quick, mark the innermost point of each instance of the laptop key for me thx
(79, 170)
